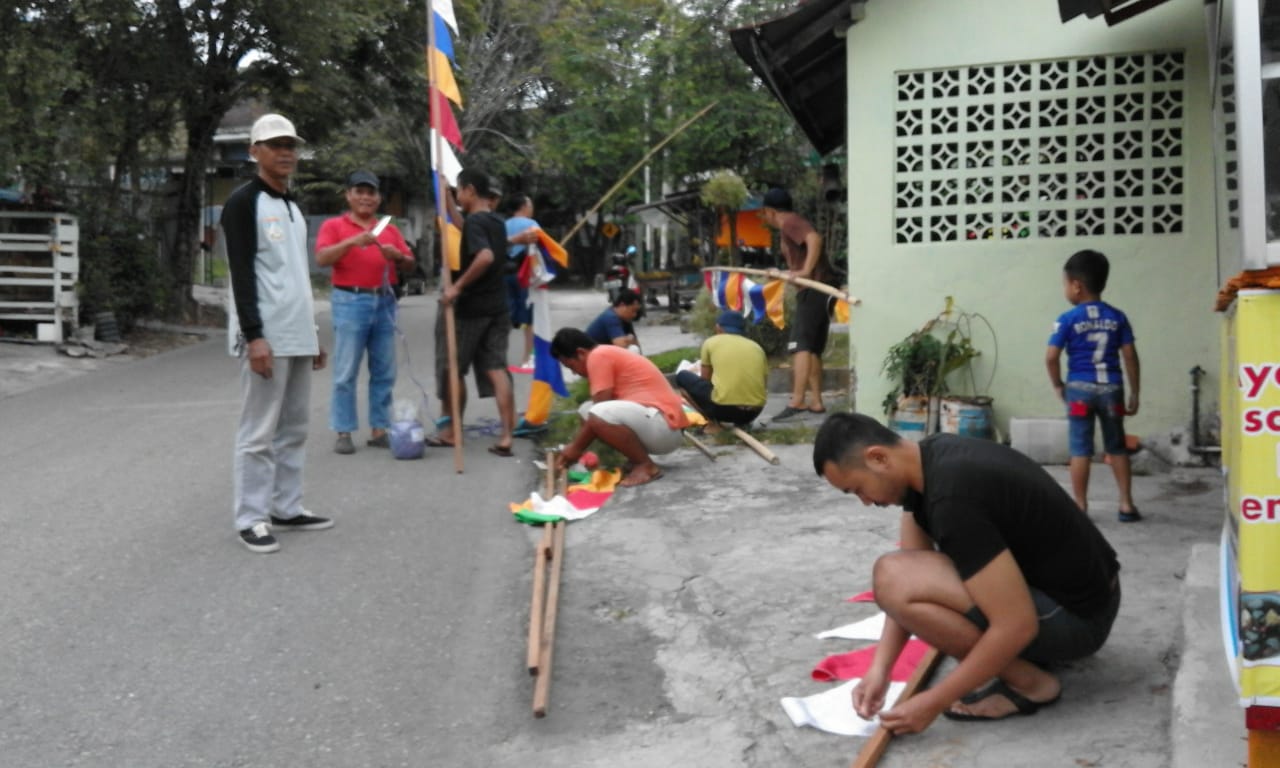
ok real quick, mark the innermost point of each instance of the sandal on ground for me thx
(656, 474)
(1023, 705)
(436, 441)
(789, 412)
(1132, 516)
(381, 441)
(501, 450)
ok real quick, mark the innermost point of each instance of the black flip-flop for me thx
(1023, 705)
(501, 450)
(438, 442)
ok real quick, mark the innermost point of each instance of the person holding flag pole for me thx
(441, 84)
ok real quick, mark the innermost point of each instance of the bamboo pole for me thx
(701, 446)
(752, 443)
(455, 415)
(803, 282)
(648, 156)
(542, 686)
(537, 606)
(874, 747)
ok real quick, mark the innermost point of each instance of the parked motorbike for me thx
(621, 275)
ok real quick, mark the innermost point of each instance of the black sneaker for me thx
(259, 539)
(303, 522)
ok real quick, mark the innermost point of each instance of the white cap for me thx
(273, 126)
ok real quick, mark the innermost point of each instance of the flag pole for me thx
(648, 155)
(443, 204)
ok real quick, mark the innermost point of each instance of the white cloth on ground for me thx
(832, 710)
(867, 629)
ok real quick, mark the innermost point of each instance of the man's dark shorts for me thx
(482, 343)
(810, 323)
(1063, 635)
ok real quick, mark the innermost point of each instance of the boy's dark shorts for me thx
(810, 323)
(482, 343)
(1086, 400)
(1063, 635)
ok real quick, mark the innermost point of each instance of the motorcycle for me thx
(620, 276)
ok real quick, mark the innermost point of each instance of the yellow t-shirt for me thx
(738, 370)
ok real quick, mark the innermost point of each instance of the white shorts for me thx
(648, 423)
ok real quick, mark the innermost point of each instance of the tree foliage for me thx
(561, 98)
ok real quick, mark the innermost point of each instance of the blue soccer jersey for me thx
(1092, 334)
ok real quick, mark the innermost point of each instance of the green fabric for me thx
(577, 476)
(535, 518)
(738, 370)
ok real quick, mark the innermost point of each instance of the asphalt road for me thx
(137, 631)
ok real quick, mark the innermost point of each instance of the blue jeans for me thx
(362, 322)
(1086, 401)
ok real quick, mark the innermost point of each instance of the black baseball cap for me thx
(777, 198)
(362, 178)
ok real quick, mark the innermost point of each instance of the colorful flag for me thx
(443, 119)
(444, 9)
(444, 75)
(548, 379)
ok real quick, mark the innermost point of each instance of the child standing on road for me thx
(1096, 337)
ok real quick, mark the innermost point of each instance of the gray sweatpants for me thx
(271, 441)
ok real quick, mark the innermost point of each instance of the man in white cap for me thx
(273, 332)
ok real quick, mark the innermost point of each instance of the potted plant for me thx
(919, 366)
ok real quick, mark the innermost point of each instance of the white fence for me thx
(39, 266)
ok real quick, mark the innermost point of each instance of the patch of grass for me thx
(667, 361)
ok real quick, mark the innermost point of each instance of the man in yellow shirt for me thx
(731, 386)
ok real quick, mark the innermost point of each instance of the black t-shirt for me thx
(487, 295)
(981, 498)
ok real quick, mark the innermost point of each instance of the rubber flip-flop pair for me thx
(657, 474)
(501, 450)
(1023, 705)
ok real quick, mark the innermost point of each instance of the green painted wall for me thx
(1166, 283)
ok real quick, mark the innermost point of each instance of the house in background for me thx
(987, 141)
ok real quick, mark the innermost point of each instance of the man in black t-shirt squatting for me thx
(998, 568)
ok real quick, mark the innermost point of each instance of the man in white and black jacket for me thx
(272, 330)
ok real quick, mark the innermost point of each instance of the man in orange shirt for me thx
(632, 407)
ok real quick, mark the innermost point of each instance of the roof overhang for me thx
(800, 57)
(1114, 11)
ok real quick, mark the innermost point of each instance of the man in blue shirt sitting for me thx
(614, 325)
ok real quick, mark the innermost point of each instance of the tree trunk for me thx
(187, 220)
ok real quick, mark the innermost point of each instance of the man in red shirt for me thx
(363, 302)
(802, 248)
(632, 408)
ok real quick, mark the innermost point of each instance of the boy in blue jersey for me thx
(1096, 337)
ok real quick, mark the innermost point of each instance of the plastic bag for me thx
(407, 435)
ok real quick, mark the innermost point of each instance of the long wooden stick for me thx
(701, 446)
(648, 155)
(874, 747)
(542, 686)
(538, 606)
(803, 282)
(455, 414)
(738, 432)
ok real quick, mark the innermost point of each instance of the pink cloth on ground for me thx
(862, 597)
(847, 666)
